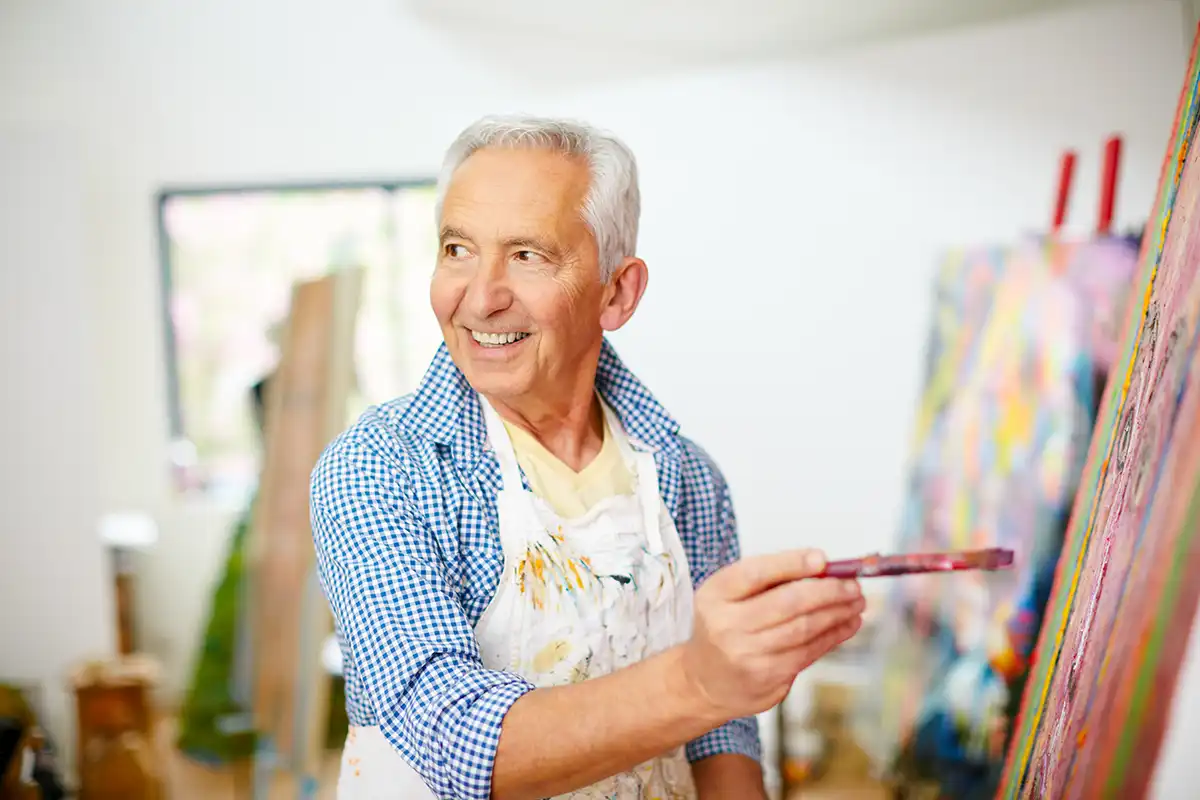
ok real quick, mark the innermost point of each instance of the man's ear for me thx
(623, 293)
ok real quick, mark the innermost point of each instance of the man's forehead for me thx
(513, 193)
(525, 174)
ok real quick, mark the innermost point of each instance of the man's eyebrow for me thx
(451, 233)
(530, 243)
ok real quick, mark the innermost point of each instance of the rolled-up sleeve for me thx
(412, 645)
(740, 735)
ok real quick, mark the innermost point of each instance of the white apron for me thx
(577, 599)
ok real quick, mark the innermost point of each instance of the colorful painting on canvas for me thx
(963, 291)
(1126, 589)
(1019, 338)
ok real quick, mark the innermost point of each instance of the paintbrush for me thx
(877, 566)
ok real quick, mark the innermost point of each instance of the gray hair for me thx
(613, 202)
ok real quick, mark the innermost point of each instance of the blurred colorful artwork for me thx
(1020, 339)
(1100, 689)
(912, 640)
(231, 258)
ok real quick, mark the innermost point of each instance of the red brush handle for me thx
(850, 568)
(876, 566)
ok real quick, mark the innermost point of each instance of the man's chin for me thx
(496, 388)
(494, 379)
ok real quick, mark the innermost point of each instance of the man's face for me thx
(517, 288)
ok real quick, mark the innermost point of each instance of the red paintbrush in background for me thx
(877, 566)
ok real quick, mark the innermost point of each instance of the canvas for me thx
(1124, 598)
(1020, 337)
(962, 295)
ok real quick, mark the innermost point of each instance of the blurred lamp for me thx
(128, 530)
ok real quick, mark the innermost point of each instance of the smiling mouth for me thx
(497, 339)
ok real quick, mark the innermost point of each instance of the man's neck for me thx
(572, 428)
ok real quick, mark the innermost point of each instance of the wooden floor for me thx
(189, 780)
(864, 790)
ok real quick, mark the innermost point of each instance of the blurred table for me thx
(116, 745)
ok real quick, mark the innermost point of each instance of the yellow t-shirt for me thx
(568, 492)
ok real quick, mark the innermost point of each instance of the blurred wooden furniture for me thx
(21, 740)
(123, 589)
(116, 751)
(289, 618)
(15, 783)
(126, 533)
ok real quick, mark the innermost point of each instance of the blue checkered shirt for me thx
(408, 553)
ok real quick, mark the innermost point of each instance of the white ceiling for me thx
(524, 34)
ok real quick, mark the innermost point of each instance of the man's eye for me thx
(527, 256)
(455, 250)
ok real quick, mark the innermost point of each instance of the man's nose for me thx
(489, 291)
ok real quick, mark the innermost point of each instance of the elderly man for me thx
(534, 575)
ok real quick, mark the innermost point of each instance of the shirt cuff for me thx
(468, 732)
(738, 736)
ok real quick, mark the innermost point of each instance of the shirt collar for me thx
(446, 409)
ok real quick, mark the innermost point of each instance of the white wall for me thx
(793, 213)
(172, 93)
(1177, 772)
(54, 610)
(1191, 16)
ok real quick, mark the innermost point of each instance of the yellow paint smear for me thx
(549, 656)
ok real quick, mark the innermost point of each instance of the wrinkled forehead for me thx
(515, 186)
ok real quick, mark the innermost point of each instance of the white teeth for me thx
(497, 339)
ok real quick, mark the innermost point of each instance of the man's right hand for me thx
(759, 622)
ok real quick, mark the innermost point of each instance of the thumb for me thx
(756, 574)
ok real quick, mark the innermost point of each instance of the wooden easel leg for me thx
(312, 688)
(264, 768)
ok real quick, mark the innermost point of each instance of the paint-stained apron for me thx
(578, 599)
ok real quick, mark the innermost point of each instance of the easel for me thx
(1062, 195)
(1108, 185)
(889, 748)
(1108, 188)
(289, 620)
